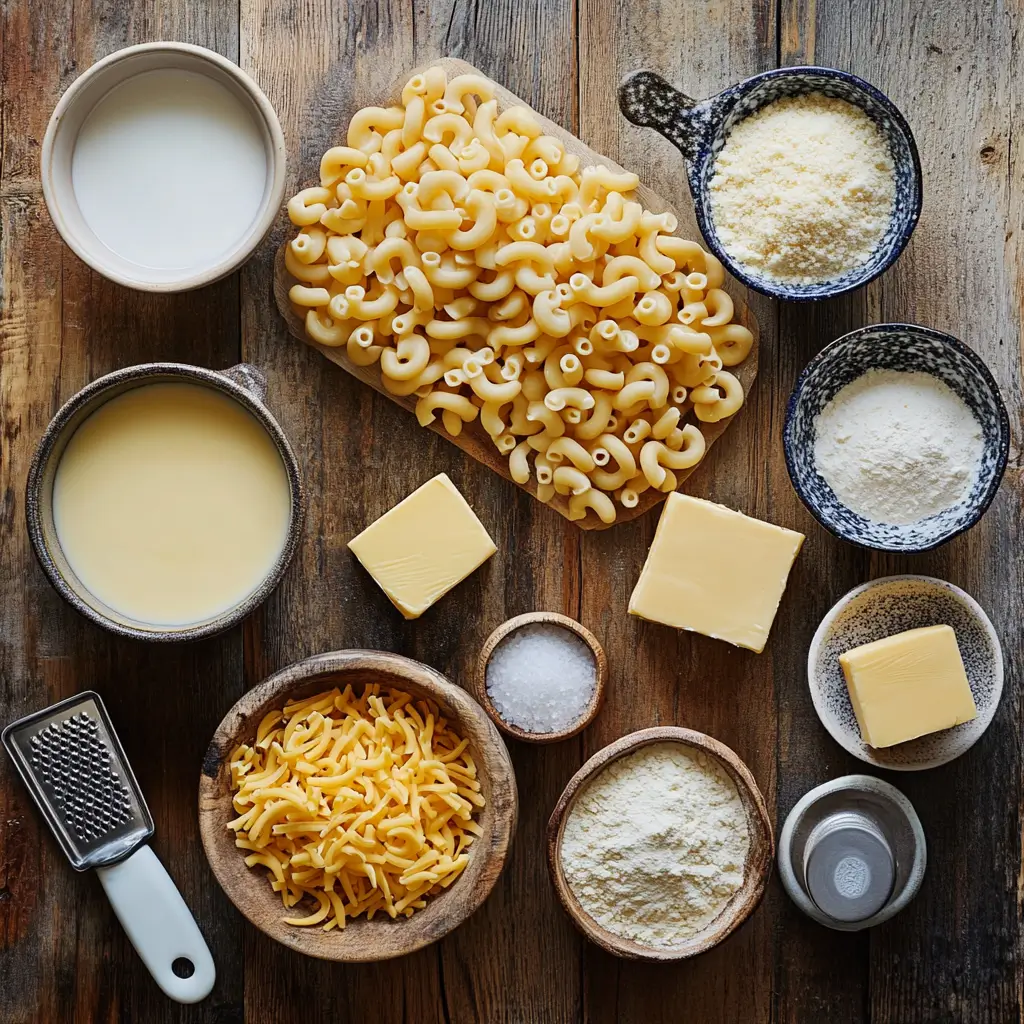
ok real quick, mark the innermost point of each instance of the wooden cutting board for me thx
(474, 439)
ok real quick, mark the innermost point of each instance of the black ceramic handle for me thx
(248, 377)
(646, 99)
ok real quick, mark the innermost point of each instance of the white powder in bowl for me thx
(655, 846)
(897, 446)
(541, 678)
(803, 189)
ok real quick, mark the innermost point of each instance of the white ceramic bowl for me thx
(81, 99)
(892, 605)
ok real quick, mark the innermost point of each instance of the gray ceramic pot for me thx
(243, 383)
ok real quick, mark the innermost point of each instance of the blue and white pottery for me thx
(909, 348)
(699, 131)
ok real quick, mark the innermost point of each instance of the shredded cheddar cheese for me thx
(363, 803)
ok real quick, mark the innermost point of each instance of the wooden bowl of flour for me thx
(756, 867)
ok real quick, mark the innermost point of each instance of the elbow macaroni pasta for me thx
(466, 254)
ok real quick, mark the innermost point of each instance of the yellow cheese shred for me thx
(357, 803)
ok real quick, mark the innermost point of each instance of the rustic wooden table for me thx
(955, 954)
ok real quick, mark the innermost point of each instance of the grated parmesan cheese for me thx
(803, 189)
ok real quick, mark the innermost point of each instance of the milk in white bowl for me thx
(169, 170)
(163, 166)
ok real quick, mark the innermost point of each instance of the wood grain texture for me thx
(474, 439)
(756, 868)
(966, 121)
(955, 955)
(63, 956)
(660, 676)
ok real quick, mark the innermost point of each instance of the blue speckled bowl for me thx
(895, 347)
(699, 131)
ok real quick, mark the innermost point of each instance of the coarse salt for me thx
(541, 678)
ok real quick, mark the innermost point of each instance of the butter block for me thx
(715, 571)
(424, 546)
(908, 685)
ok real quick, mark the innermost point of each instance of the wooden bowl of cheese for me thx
(435, 897)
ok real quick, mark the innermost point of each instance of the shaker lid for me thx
(848, 866)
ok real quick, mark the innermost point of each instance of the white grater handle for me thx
(160, 925)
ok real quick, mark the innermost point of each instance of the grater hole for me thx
(183, 967)
(81, 775)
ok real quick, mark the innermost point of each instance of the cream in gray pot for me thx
(164, 500)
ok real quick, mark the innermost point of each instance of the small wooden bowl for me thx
(381, 938)
(529, 619)
(756, 870)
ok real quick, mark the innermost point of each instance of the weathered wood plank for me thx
(819, 974)
(955, 954)
(36, 953)
(963, 119)
(531, 969)
(63, 956)
(660, 676)
(340, 425)
(346, 52)
(361, 455)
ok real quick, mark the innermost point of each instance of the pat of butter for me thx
(908, 685)
(715, 571)
(424, 546)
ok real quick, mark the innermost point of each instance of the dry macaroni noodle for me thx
(464, 253)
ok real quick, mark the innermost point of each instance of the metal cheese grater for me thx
(75, 768)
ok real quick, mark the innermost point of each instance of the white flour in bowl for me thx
(654, 847)
(897, 446)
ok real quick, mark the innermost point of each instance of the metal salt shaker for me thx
(852, 853)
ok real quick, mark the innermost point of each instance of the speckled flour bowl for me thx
(892, 605)
(699, 131)
(244, 384)
(904, 347)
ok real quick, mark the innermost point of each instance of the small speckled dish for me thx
(904, 347)
(244, 384)
(892, 605)
(699, 131)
